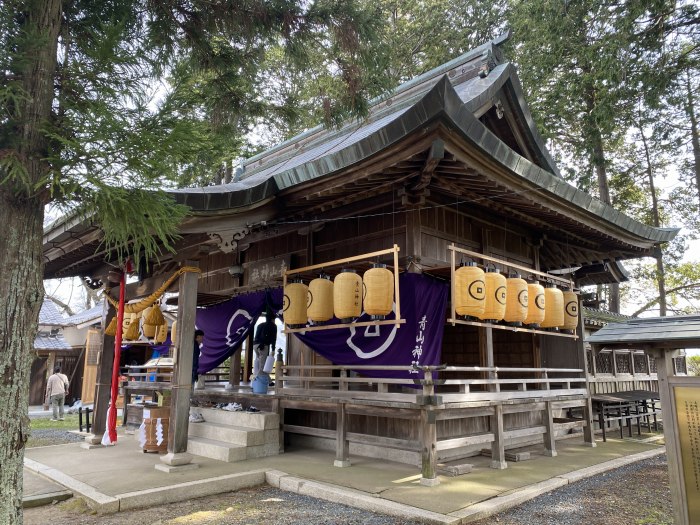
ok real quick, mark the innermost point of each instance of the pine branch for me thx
(657, 299)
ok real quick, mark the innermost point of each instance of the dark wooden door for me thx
(37, 382)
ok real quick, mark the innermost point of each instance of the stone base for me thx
(176, 459)
(429, 482)
(90, 446)
(550, 453)
(455, 470)
(169, 469)
(341, 463)
(499, 465)
(93, 439)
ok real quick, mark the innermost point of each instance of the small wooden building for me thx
(450, 160)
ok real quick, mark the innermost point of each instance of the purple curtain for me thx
(419, 340)
(225, 326)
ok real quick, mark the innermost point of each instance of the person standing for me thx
(264, 340)
(198, 339)
(56, 393)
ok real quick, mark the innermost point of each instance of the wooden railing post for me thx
(498, 449)
(342, 447)
(342, 384)
(549, 439)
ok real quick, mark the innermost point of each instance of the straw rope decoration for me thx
(144, 303)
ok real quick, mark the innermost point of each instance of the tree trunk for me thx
(659, 256)
(694, 134)
(21, 288)
(599, 164)
(21, 261)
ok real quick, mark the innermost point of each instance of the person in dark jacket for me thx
(198, 338)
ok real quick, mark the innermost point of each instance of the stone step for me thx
(258, 420)
(228, 452)
(234, 435)
(210, 448)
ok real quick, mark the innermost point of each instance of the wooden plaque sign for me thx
(688, 414)
(267, 271)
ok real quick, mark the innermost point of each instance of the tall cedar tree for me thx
(83, 126)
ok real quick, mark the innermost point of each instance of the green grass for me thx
(70, 423)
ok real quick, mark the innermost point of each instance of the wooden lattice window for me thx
(604, 363)
(589, 361)
(624, 363)
(93, 347)
(640, 364)
(680, 366)
(652, 366)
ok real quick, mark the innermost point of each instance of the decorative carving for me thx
(227, 240)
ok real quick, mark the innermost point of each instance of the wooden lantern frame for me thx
(339, 262)
(453, 320)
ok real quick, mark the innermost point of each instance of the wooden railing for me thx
(530, 383)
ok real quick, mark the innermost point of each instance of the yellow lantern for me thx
(161, 334)
(320, 299)
(295, 304)
(378, 285)
(516, 300)
(470, 290)
(570, 311)
(173, 332)
(495, 301)
(347, 295)
(554, 308)
(535, 304)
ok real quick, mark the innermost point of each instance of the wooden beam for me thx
(342, 447)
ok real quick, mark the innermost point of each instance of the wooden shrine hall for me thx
(446, 172)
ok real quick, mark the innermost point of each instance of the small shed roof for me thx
(676, 332)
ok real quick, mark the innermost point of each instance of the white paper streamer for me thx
(159, 432)
(141, 435)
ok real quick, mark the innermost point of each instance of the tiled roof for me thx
(93, 314)
(49, 314)
(595, 317)
(682, 331)
(51, 342)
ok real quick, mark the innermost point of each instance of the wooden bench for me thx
(626, 408)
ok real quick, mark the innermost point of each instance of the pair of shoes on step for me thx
(232, 407)
(196, 417)
(252, 409)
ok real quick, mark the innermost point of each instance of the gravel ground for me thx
(42, 437)
(637, 494)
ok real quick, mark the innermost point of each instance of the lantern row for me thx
(490, 296)
(344, 297)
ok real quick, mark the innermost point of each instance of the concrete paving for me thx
(123, 477)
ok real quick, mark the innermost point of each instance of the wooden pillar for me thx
(103, 381)
(550, 447)
(665, 369)
(428, 440)
(248, 361)
(588, 434)
(413, 235)
(486, 353)
(498, 449)
(50, 364)
(177, 457)
(234, 371)
(342, 447)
